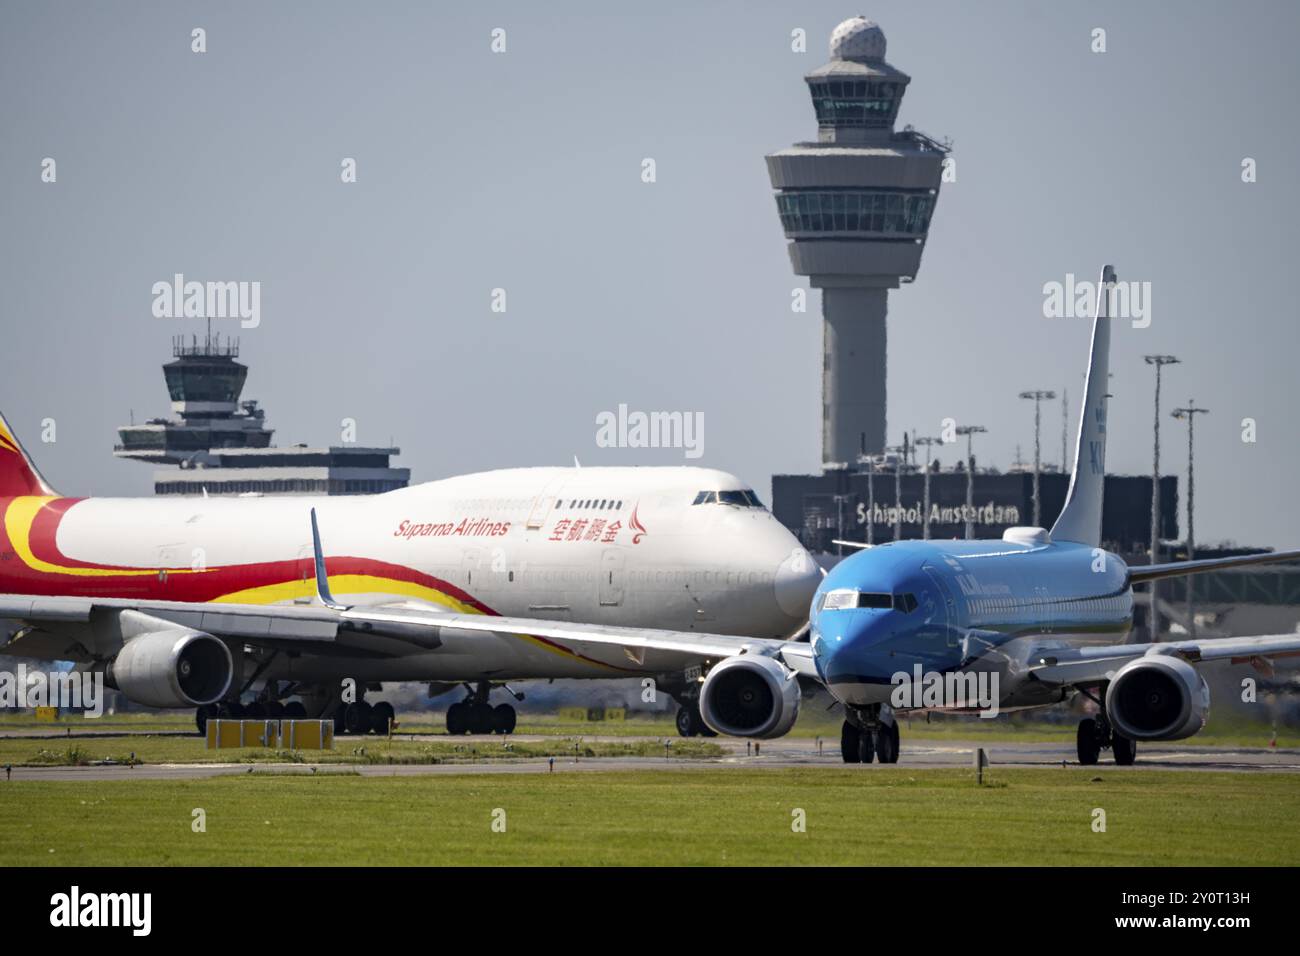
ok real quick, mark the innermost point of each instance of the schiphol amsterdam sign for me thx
(990, 514)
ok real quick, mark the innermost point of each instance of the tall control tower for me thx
(856, 207)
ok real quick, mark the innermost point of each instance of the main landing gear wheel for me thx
(887, 743)
(380, 714)
(1088, 741)
(690, 723)
(204, 714)
(1124, 750)
(457, 719)
(480, 718)
(503, 719)
(849, 742)
(356, 717)
(295, 710)
(473, 717)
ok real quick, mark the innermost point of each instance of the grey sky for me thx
(522, 171)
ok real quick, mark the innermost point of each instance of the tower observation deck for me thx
(220, 445)
(856, 208)
(204, 381)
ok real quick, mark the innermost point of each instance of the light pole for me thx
(1189, 412)
(839, 521)
(925, 495)
(871, 500)
(968, 431)
(1159, 361)
(1065, 431)
(900, 451)
(1038, 396)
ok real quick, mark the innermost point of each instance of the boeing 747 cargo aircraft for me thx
(207, 602)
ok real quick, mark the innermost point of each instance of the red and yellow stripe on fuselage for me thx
(31, 563)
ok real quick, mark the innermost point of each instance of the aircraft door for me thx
(946, 614)
(611, 577)
(472, 574)
(542, 506)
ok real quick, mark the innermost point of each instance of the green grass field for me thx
(61, 752)
(854, 816)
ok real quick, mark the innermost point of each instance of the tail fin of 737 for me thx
(1080, 519)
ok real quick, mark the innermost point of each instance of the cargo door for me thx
(611, 577)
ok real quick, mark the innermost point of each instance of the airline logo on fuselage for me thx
(584, 529)
(465, 528)
(601, 530)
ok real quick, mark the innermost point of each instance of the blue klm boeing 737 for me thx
(1037, 616)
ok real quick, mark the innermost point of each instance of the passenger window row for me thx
(598, 504)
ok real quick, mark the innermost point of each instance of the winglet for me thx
(322, 580)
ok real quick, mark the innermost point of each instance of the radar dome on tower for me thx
(858, 39)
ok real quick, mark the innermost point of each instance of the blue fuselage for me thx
(963, 605)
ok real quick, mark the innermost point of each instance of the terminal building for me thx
(882, 503)
(220, 445)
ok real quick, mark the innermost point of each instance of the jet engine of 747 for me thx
(176, 667)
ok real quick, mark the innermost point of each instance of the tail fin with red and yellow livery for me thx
(18, 476)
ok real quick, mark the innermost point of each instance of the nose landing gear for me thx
(869, 734)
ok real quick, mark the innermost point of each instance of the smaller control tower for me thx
(204, 382)
(856, 207)
(220, 445)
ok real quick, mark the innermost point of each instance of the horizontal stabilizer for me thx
(1152, 572)
(852, 544)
